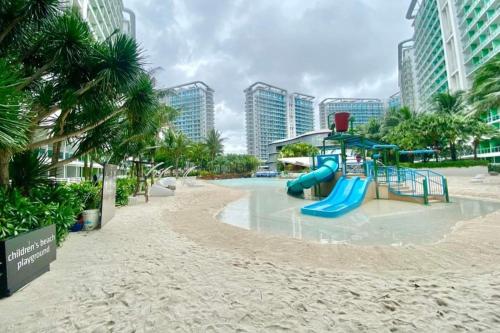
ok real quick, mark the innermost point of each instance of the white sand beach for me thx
(169, 265)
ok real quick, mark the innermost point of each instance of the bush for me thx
(124, 188)
(46, 205)
(87, 193)
(446, 164)
(494, 167)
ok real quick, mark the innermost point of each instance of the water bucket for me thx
(342, 121)
(90, 219)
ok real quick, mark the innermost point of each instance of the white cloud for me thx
(325, 48)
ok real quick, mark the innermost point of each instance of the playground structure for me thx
(345, 185)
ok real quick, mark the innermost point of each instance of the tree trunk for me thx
(91, 168)
(475, 144)
(5, 157)
(176, 168)
(56, 150)
(453, 151)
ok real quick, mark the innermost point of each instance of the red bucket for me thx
(342, 121)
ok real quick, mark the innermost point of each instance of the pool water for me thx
(268, 209)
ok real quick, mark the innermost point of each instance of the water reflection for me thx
(268, 209)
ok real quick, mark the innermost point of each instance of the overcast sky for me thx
(324, 48)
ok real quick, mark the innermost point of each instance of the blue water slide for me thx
(323, 174)
(348, 194)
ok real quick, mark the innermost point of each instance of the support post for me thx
(445, 189)
(426, 192)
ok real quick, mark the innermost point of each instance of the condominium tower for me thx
(394, 101)
(266, 117)
(105, 16)
(195, 103)
(300, 114)
(452, 39)
(361, 109)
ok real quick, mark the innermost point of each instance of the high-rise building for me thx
(105, 16)
(407, 76)
(430, 63)
(266, 117)
(361, 109)
(195, 103)
(394, 101)
(452, 39)
(300, 114)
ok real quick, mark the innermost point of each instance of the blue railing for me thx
(410, 182)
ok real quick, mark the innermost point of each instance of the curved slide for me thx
(347, 195)
(322, 174)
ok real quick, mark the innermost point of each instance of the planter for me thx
(342, 121)
(25, 257)
(90, 219)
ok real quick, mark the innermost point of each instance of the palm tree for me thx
(175, 145)
(485, 92)
(449, 103)
(13, 122)
(214, 143)
(478, 130)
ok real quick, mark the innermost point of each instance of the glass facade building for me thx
(407, 75)
(265, 117)
(300, 114)
(105, 16)
(394, 101)
(362, 109)
(452, 39)
(195, 103)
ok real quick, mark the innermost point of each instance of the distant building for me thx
(105, 16)
(407, 76)
(362, 109)
(266, 117)
(394, 101)
(195, 103)
(300, 114)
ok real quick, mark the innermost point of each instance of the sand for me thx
(169, 265)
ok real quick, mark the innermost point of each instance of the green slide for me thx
(322, 174)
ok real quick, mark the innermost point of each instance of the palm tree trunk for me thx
(453, 151)
(9, 28)
(91, 168)
(5, 157)
(475, 144)
(56, 149)
(177, 167)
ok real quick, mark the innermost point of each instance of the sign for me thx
(26, 257)
(108, 193)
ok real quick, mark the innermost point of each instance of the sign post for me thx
(108, 193)
(24, 258)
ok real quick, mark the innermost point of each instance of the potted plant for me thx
(90, 196)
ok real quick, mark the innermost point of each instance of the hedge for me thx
(446, 164)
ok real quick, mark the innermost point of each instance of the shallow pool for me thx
(268, 209)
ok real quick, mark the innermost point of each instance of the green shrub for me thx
(46, 205)
(494, 167)
(124, 188)
(446, 164)
(88, 194)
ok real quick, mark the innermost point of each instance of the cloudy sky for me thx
(324, 48)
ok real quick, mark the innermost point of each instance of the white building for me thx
(105, 16)
(195, 103)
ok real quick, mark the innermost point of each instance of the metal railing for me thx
(410, 182)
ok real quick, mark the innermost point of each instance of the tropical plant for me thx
(29, 170)
(485, 92)
(449, 103)
(214, 142)
(299, 149)
(478, 130)
(175, 145)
